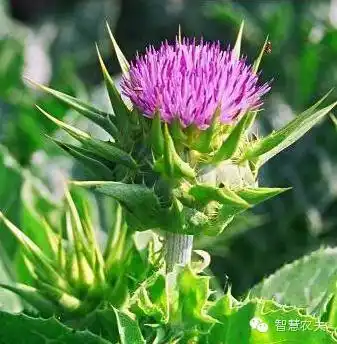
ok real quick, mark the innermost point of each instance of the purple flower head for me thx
(190, 81)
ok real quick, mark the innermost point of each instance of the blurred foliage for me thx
(301, 64)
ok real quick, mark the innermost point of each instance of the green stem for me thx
(178, 250)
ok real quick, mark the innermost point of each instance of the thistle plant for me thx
(182, 157)
(70, 275)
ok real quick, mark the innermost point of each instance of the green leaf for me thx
(231, 144)
(308, 282)
(33, 296)
(67, 302)
(80, 106)
(97, 116)
(9, 302)
(193, 295)
(123, 62)
(10, 193)
(83, 251)
(43, 264)
(171, 163)
(221, 218)
(279, 140)
(110, 152)
(264, 321)
(151, 299)
(19, 328)
(75, 132)
(137, 199)
(159, 296)
(255, 196)
(101, 322)
(35, 225)
(106, 150)
(237, 46)
(331, 313)
(128, 329)
(94, 164)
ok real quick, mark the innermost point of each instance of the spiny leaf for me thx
(23, 239)
(62, 298)
(101, 322)
(193, 295)
(151, 299)
(44, 265)
(308, 282)
(9, 302)
(93, 164)
(104, 149)
(75, 132)
(264, 321)
(255, 196)
(35, 225)
(129, 331)
(86, 275)
(221, 218)
(123, 62)
(20, 328)
(115, 231)
(279, 140)
(86, 207)
(97, 116)
(77, 104)
(33, 297)
(237, 46)
(332, 306)
(139, 200)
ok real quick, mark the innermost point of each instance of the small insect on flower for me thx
(268, 48)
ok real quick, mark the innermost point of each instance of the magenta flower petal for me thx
(190, 81)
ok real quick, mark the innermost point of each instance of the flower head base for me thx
(190, 81)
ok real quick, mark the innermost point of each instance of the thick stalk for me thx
(178, 249)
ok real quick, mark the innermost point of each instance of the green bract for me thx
(68, 274)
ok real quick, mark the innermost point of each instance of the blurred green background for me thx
(52, 42)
